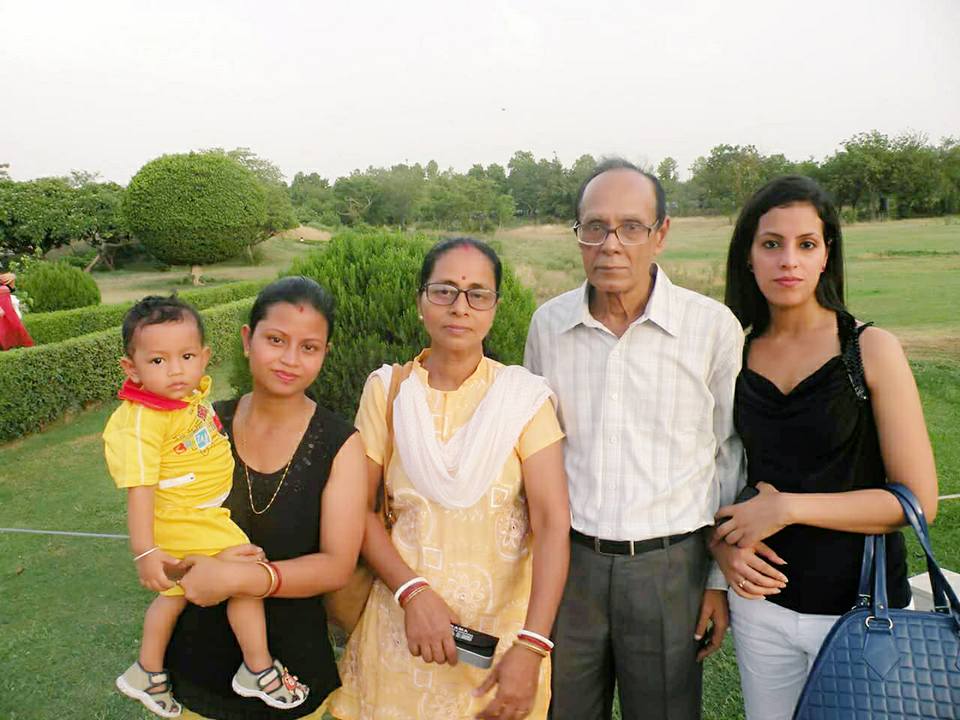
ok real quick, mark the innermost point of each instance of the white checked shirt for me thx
(650, 446)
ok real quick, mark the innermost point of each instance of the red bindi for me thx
(300, 308)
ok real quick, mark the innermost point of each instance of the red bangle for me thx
(274, 590)
(535, 640)
(412, 595)
(408, 592)
(405, 595)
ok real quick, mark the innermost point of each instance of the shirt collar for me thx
(136, 394)
(659, 309)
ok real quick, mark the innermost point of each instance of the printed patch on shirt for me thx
(201, 438)
(202, 412)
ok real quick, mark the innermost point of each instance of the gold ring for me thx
(740, 584)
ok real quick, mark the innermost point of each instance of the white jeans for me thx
(775, 649)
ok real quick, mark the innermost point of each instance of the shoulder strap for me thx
(751, 335)
(850, 352)
(398, 375)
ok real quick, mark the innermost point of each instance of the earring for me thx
(420, 317)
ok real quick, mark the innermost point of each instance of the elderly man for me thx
(644, 372)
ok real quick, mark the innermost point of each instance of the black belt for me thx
(627, 547)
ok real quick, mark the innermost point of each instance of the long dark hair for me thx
(294, 290)
(742, 294)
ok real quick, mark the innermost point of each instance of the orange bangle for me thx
(531, 647)
(273, 578)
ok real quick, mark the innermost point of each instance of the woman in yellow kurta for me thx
(481, 527)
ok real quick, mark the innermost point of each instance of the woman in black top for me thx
(298, 493)
(828, 411)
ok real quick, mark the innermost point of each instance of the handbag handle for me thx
(944, 596)
(398, 374)
(881, 609)
(874, 561)
(913, 512)
(864, 595)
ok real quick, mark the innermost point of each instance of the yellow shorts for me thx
(188, 531)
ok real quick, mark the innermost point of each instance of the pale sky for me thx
(331, 86)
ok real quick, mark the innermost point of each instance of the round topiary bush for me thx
(194, 209)
(373, 276)
(57, 286)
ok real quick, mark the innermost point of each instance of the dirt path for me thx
(927, 344)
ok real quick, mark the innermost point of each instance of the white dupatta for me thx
(457, 473)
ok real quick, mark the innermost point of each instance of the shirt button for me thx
(613, 396)
(613, 439)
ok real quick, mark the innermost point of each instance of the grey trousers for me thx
(630, 621)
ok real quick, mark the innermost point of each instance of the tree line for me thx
(871, 175)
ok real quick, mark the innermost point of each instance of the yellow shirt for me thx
(478, 559)
(180, 448)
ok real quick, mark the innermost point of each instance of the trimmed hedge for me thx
(46, 328)
(194, 209)
(40, 384)
(53, 286)
(373, 275)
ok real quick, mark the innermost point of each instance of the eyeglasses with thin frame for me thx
(632, 232)
(446, 294)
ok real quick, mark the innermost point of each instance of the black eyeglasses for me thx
(445, 294)
(595, 233)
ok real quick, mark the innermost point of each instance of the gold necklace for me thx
(246, 472)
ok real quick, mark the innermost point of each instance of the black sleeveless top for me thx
(203, 654)
(818, 438)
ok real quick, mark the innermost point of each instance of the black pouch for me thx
(474, 647)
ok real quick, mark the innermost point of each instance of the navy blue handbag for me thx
(884, 663)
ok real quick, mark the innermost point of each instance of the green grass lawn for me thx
(132, 283)
(71, 608)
